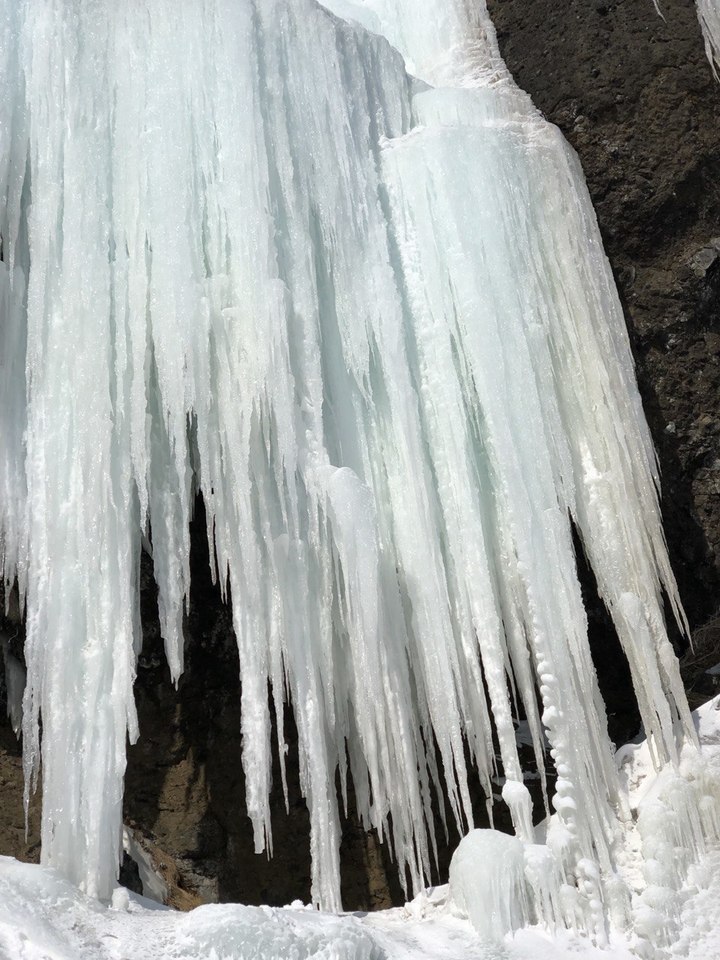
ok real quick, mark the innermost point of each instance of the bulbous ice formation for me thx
(488, 883)
(367, 316)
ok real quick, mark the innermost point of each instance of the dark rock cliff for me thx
(635, 96)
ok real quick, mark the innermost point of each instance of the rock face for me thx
(635, 96)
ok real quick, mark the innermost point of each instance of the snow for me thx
(368, 316)
(42, 915)
(666, 858)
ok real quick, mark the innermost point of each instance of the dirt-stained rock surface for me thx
(635, 96)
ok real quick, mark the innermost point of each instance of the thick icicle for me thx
(369, 318)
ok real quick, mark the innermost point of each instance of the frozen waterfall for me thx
(367, 314)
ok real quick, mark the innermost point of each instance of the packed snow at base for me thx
(42, 915)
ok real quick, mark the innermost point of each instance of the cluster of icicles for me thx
(367, 316)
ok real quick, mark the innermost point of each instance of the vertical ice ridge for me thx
(371, 321)
(80, 655)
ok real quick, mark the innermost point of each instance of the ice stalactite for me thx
(368, 316)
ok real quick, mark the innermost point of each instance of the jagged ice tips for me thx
(327, 266)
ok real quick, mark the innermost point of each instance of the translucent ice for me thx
(369, 318)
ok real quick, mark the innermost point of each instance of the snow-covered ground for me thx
(43, 917)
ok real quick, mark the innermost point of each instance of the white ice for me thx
(369, 317)
(488, 883)
(42, 916)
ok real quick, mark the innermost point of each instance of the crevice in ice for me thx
(614, 676)
(12, 664)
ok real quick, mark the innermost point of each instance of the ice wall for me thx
(369, 317)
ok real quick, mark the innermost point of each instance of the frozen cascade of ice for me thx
(369, 317)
